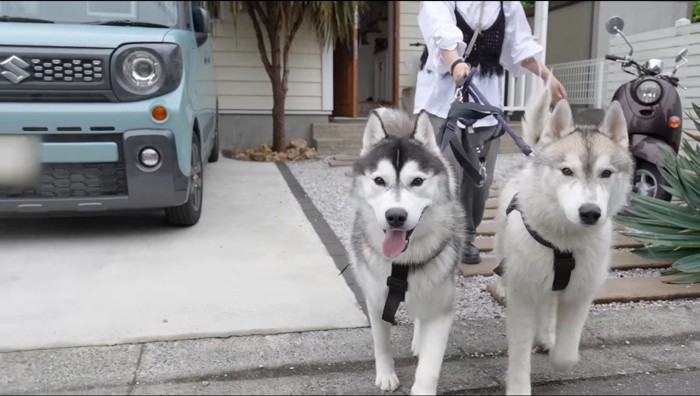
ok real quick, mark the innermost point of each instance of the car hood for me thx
(76, 36)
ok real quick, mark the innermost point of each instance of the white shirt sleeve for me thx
(438, 25)
(518, 43)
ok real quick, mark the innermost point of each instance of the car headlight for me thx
(648, 92)
(142, 71)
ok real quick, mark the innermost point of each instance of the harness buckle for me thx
(397, 284)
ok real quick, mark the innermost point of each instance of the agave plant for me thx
(671, 230)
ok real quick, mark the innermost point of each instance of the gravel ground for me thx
(329, 187)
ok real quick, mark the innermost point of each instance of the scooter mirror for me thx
(614, 25)
(681, 55)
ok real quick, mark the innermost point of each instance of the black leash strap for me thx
(564, 261)
(398, 285)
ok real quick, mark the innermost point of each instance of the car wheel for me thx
(648, 181)
(214, 155)
(188, 213)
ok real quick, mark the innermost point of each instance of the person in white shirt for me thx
(503, 41)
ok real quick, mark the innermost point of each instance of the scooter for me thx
(652, 108)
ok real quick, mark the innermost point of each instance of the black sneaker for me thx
(470, 255)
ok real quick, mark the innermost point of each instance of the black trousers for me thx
(473, 198)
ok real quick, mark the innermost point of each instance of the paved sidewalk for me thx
(642, 351)
(253, 265)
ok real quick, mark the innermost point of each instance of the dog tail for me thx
(536, 115)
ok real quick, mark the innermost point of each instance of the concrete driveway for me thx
(253, 265)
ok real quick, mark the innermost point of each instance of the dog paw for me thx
(388, 382)
(518, 384)
(563, 361)
(419, 390)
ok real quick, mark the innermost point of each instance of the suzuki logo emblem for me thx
(14, 69)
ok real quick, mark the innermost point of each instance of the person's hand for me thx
(558, 91)
(460, 71)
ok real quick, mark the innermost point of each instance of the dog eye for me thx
(379, 181)
(567, 172)
(417, 182)
(606, 173)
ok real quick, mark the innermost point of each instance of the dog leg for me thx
(571, 316)
(383, 359)
(434, 334)
(520, 325)
(546, 323)
(415, 344)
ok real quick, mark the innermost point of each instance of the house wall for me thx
(409, 32)
(639, 17)
(245, 90)
(569, 32)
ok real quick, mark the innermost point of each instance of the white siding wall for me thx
(663, 44)
(408, 56)
(243, 85)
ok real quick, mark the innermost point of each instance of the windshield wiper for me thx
(127, 22)
(7, 18)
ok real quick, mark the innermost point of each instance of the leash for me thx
(466, 85)
(564, 261)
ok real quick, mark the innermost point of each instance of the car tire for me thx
(648, 181)
(188, 214)
(214, 155)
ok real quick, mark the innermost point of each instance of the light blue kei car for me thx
(121, 100)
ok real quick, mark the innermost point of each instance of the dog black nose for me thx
(396, 217)
(589, 213)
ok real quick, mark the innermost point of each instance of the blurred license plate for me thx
(19, 160)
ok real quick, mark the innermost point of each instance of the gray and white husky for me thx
(407, 213)
(579, 178)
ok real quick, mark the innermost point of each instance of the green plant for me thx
(281, 20)
(671, 231)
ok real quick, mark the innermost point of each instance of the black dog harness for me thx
(564, 261)
(398, 285)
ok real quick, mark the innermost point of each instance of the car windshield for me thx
(132, 13)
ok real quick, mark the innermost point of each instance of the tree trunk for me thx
(279, 136)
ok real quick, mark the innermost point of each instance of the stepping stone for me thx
(488, 229)
(621, 242)
(625, 290)
(618, 261)
(489, 214)
(492, 203)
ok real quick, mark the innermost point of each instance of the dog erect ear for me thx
(536, 113)
(374, 132)
(561, 121)
(614, 124)
(424, 132)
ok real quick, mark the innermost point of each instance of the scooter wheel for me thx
(648, 181)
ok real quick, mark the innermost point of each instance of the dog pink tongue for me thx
(394, 243)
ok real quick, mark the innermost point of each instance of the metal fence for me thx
(585, 81)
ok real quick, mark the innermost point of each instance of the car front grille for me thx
(74, 181)
(67, 69)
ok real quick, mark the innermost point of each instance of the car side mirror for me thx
(202, 23)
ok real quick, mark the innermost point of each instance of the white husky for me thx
(579, 178)
(408, 216)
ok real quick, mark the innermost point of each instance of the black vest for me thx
(487, 49)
